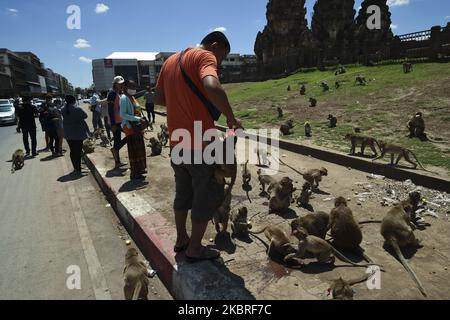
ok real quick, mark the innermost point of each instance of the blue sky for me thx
(147, 25)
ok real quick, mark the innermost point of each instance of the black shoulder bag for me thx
(215, 114)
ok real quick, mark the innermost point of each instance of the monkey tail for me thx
(394, 244)
(370, 222)
(259, 231)
(345, 259)
(420, 164)
(13, 169)
(293, 169)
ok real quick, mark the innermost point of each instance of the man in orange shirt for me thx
(189, 87)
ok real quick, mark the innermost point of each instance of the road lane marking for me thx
(95, 269)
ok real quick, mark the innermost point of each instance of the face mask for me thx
(131, 92)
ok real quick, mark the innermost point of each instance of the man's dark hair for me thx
(70, 99)
(218, 37)
(26, 99)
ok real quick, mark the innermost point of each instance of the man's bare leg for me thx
(195, 248)
(180, 222)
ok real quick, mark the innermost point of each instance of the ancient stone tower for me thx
(372, 42)
(333, 28)
(286, 42)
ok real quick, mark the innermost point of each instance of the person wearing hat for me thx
(75, 131)
(27, 113)
(115, 118)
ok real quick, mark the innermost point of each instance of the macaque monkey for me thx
(263, 155)
(312, 102)
(302, 90)
(322, 250)
(285, 128)
(246, 178)
(280, 112)
(305, 195)
(361, 80)
(345, 231)
(282, 198)
(135, 276)
(156, 147)
(397, 232)
(341, 289)
(266, 180)
(316, 224)
(289, 88)
(333, 121)
(308, 130)
(363, 141)
(337, 84)
(89, 146)
(401, 152)
(105, 141)
(279, 243)
(164, 136)
(325, 86)
(314, 177)
(240, 225)
(18, 160)
(222, 214)
(407, 67)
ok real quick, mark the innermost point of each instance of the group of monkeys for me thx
(311, 230)
(157, 144)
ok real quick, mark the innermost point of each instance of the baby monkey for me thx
(303, 199)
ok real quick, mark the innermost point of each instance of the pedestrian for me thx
(149, 105)
(96, 111)
(59, 124)
(27, 113)
(186, 80)
(75, 131)
(53, 119)
(115, 119)
(43, 119)
(105, 113)
(132, 120)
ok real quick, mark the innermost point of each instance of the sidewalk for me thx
(245, 272)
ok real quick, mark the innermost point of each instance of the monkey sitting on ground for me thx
(308, 130)
(280, 112)
(105, 140)
(393, 150)
(303, 199)
(282, 198)
(89, 146)
(316, 224)
(341, 289)
(397, 232)
(135, 276)
(325, 86)
(302, 90)
(345, 230)
(98, 133)
(222, 214)
(279, 243)
(407, 67)
(361, 80)
(333, 121)
(240, 225)
(314, 177)
(164, 136)
(18, 160)
(285, 128)
(312, 102)
(264, 155)
(322, 250)
(363, 141)
(156, 147)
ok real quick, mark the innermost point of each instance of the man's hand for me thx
(234, 123)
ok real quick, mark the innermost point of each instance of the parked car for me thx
(7, 112)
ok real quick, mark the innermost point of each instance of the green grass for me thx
(381, 108)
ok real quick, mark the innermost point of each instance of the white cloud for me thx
(396, 3)
(447, 17)
(101, 8)
(82, 44)
(394, 26)
(12, 12)
(85, 60)
(221, 29)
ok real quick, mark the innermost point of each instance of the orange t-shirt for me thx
(183, 106)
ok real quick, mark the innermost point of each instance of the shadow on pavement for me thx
(133, 185)
(71, 177)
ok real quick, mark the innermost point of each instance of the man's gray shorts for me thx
(197, 190)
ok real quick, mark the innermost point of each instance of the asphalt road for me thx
(51, 226)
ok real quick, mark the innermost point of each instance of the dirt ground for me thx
(369, 198)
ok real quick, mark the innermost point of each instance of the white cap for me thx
(118, 80)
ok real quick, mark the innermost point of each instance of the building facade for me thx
(144, 68)
(23, 74)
